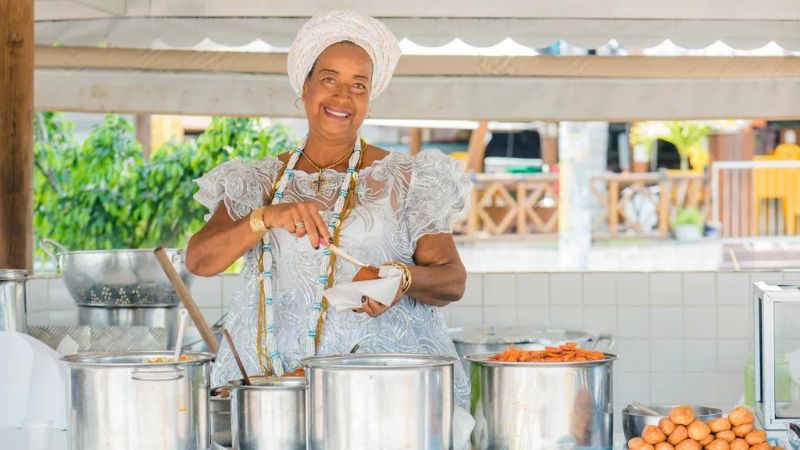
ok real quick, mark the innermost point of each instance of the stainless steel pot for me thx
(119, 277)
(542, 406)
(12, 300)
(490, 339)
(165, 317)
(380, 402)
(270, 414)
(122, 401)
(219, 420)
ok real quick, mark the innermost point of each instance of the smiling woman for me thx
(383, 208)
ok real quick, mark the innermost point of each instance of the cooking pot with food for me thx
(138, 400)
(542, 405)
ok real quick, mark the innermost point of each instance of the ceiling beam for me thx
(425, 65)
(426, 97)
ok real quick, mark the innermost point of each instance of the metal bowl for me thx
(634, 422)
(119, 277)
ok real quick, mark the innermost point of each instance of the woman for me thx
(381, 207)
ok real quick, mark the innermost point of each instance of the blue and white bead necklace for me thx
(269, 355)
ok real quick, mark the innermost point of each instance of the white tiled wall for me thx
(681, 337)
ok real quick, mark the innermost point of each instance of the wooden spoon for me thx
(187, 300)
(245, 378)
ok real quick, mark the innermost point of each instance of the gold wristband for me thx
(405, 282)
(257, 225)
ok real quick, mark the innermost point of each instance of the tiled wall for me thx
(681, 337)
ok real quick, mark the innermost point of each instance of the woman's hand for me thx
(372, 307)
(300, 219)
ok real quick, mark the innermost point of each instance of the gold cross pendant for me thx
(318, 183)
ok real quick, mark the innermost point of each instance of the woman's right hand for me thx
(300, 219)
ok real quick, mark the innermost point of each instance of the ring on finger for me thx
(299, 225)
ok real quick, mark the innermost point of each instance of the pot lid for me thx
(517, 335)
(12, 274)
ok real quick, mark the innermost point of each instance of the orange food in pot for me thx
(569, 352)
(299, 372)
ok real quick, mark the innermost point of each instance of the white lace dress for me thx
(398, 200)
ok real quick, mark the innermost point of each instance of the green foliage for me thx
(102, 194)
(689, 216)
(685, 135)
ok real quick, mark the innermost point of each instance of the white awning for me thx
(741, 24)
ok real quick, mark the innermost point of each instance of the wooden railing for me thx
(528, 204)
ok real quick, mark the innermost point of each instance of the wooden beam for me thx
(434, 98)
(16, 134)
(477, 147)
(430, 65)
(415, 141)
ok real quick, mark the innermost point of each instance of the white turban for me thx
(324, 30)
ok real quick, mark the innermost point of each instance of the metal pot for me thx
(118, 277)
(542, 406)
(490, 339)
(219, 420)
(122, 401)
(12, 300)
(269, 414)
(380, 402)
(165, 317)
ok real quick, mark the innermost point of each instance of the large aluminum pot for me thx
(165, 317)
(123, 401)
(542, 406)
(491, 339)
(12, 300)
(119, 277)
(380, 402)
(270, 414)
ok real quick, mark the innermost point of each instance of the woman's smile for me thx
(337, 113)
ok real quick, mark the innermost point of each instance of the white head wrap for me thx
(324, 30)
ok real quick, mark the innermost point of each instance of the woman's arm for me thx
(222, 240)
(438, 277)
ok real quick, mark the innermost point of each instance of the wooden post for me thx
(143, 134)
(477, 147)
(613, 205)
(16, 134)
(415, 141)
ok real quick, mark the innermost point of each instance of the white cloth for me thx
(398, 200)
(324, 30)
(35, 384)
(383, 289)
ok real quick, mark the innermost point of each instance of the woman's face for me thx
(336, 92)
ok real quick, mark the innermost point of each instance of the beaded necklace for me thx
(269, 356)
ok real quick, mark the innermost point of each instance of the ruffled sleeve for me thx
(240, 186)
(438, 194)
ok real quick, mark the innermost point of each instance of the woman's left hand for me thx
(372, 307)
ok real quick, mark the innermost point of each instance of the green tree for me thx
(101, 194)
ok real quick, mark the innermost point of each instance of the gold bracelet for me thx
(405, 282)
(257, 225)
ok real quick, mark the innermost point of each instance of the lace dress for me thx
(398, 200)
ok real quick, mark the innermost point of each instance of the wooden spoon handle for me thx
(187, 300)
(245, 378)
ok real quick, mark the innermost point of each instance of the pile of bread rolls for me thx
(681, 431)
